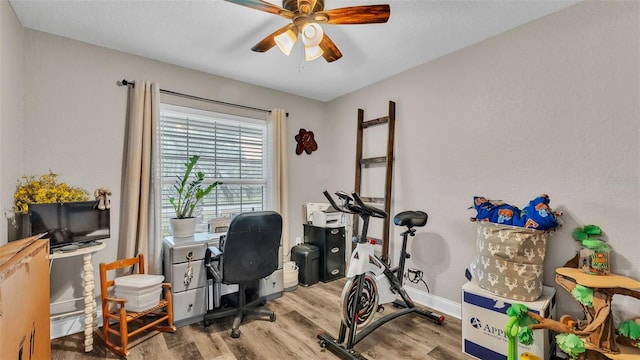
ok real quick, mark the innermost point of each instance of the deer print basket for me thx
(510, 260)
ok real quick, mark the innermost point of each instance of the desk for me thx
(90, 309)
(184, 269)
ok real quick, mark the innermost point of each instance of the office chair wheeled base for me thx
(240, 311)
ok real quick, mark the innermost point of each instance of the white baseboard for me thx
(437, 303)
(70, 325)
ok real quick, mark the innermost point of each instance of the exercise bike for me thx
(370, 281)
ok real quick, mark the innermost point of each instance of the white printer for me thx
(323, 215)
(327, 218)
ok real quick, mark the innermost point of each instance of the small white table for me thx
(90, 309)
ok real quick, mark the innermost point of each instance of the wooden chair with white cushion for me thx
(118, 321)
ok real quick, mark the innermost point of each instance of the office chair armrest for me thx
(216, 273)
(213, 254)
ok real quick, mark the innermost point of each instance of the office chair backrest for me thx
(251, 246)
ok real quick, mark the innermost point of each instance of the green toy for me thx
(570, 344)
(631, 330)
(587, 233)
(594, 256)
(583, 294)
(517, 329)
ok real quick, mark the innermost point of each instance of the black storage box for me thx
(307, 257)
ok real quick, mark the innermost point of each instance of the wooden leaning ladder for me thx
(387, 160)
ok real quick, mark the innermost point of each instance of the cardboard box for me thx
(484, 320)
(24, 303)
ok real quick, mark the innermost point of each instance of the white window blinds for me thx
(232, 150)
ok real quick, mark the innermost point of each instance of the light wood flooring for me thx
(301, 315)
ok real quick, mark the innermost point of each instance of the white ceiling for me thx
(215, 36)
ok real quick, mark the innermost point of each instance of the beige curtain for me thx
(277, 123)
(137, 235)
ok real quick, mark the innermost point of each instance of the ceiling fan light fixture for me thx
(305, 17)
(312, 34)
(312, 52)
(285, 41)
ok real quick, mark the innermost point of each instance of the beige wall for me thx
(74, 121)
(11, 109)
(550, 107)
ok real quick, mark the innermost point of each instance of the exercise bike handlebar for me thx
(343, 209)
(370, 210)
(359, 208)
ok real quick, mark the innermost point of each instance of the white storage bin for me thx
(138, 294)
(290, 275)
(139, 298)
(138, 281)
(142, 306)
(142, 291)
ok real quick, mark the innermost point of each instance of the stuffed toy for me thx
(496, 211)
(536, 215)
(102, 196)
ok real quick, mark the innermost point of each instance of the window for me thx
(232, 149)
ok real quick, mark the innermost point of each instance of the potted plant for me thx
(189, 191)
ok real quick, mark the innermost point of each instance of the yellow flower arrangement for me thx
(44, 189)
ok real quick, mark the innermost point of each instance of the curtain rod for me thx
(125, 82)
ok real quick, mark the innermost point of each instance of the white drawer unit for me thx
(182, 280)
(184, 269)
(189, 306)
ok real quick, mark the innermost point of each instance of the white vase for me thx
(183, 227)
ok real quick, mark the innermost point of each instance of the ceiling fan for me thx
(306, 17)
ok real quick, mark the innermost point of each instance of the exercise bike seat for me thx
(411, 219)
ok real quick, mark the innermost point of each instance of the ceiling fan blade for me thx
(331, 52)
(269, 42)
(264, 6)
(366, 14)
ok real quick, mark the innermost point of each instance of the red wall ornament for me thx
(306, 142)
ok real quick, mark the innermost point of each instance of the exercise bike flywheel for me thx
(368, 300)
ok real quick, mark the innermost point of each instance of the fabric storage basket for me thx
(510, 260)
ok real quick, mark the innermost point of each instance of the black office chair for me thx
(248, 253)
